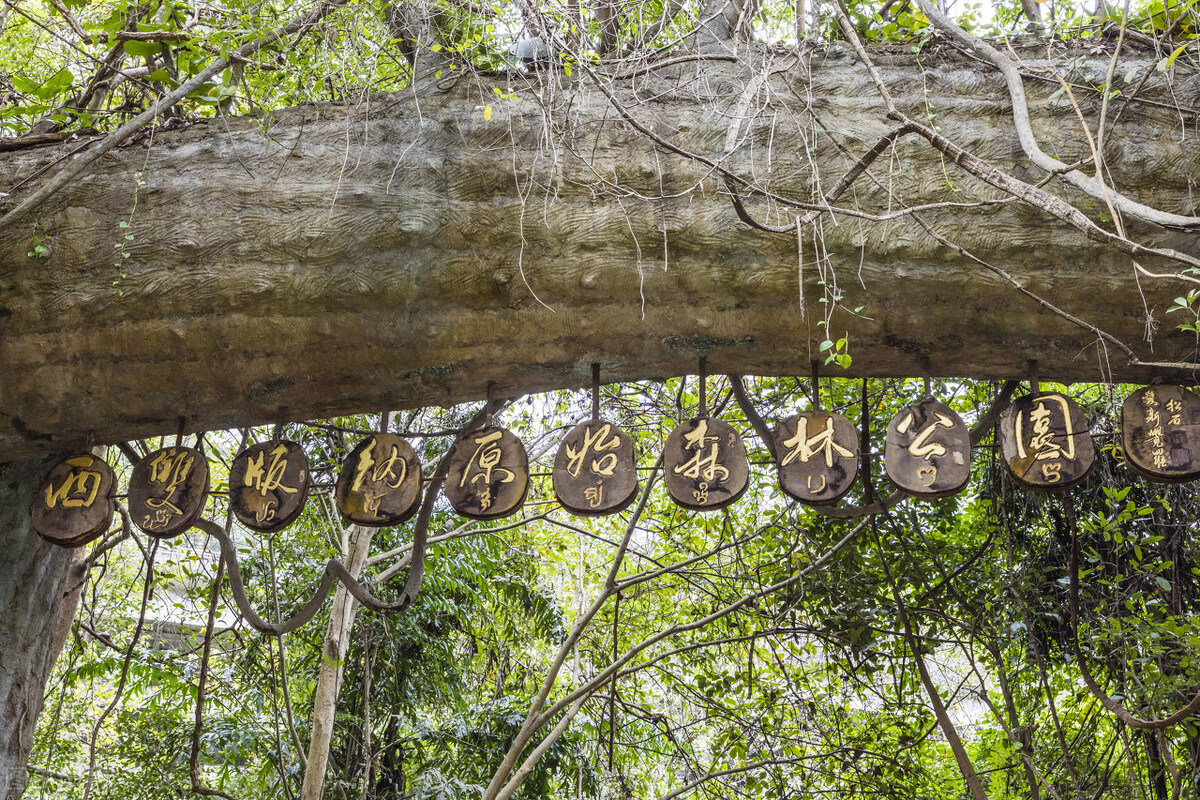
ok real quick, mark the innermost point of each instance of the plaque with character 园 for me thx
(1045, 441)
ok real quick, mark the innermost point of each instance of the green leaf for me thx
(1163, 583)
(1174, 55)
(142, 49)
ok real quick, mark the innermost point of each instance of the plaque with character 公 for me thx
(1160, 433)
(380, 482)
(816, 454)
(268, 485)
(705, 464)
(167, 491)
(75, 502)
(927, 451)
(595, 471)
(488, 475)
(1045, 441)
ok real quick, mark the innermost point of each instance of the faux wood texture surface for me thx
(1160, 433)
(704, 464)
(488, 475)
(1046, 442)
(167, 491)
(332, 260)
(268, 485)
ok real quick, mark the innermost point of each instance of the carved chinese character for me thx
(1045, 441)
(705, 464)
(594, 471)
(817, 456)
(167, 491)
(74, 504)
(268, 485)
(927, 452)
(1160, 433)
(380, 482)
(489, 474)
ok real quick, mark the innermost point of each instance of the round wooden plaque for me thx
(1045, 441)
(595, 472)
(817, 456)
(489, 474)
(1160, 433)
(74, 504)
(927, 452)
(268, 485)
(380, 482)
(167, 491)
(705, 464)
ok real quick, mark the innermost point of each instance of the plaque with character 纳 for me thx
(380, 482)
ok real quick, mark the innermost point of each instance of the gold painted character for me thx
(706, 466)
(487, 458)
(804, 447)
(269, 478)
(74, 491)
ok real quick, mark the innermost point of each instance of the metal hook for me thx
(1035, 386)
(816, 386)
(703, 381)
(925, 375)
(595, 392)
(179, 432)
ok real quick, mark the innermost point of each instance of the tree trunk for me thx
(333, 657)
(39, 590)
(327, 259)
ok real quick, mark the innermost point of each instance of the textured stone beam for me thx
(331, 260)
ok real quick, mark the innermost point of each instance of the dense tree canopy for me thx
(438, 198)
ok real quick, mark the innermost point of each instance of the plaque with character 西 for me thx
(74, 503)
